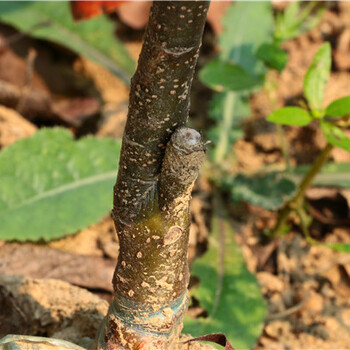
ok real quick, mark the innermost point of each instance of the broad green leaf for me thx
(240, 39)
(290, 116)
(52, 20)
(228, 291)
(332, 174)
(335, 135)
(51, 185)
(227, 76)
(297, 19)
(273, 56)
(339, 108)
(270, 191)
(316, 77)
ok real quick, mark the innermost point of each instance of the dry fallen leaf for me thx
(43, 262)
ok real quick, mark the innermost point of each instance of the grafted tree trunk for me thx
(159, 163)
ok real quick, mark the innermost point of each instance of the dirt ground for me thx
(307, 288)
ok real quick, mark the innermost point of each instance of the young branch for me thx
(297, 201)
(159, 163)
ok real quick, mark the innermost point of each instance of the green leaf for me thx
(238, 44)
(332, 174)
(335, 135)
(270, 191)
(339, 108)
(227, 76)
(51, 186)
(227, 290)
(316, 77)
(273, 56)
(297, 19)
(52, 20)
(339, 247)
(240, 39)
(290, 116)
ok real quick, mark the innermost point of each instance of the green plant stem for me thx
(296, 202)
(304, 224)
(222, 147)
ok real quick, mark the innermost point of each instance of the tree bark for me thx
(160, 160)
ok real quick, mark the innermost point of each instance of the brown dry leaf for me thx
(111, 88)
(90, 241)
(13, 64)
(75, 110)
(35, 105)
(54, 93)
(13, 127)
(43, 262)
(84, 242)
(114, 93)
